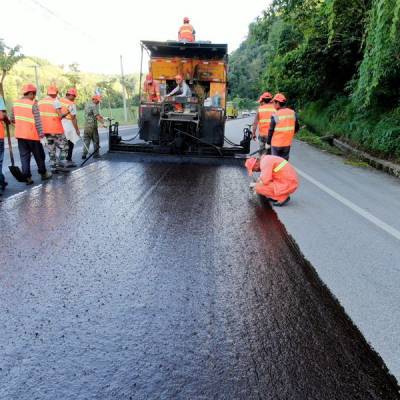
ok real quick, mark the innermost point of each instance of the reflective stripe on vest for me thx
(280, 166)
(24, 120)
(264, 118)
(285, 119)
(186, 32)
(65, 103)
(51, 121)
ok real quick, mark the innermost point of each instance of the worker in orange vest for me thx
(3, 120)
(25, 115)
(277, 181)
(262, 120)
(70, 123)
(51, 116)
(284, 124)
(186, 32)
(151, 89)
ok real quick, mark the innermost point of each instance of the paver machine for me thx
(197, 126)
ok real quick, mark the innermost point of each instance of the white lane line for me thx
(365, 214)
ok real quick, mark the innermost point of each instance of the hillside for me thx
(337, 61)
(67, 76)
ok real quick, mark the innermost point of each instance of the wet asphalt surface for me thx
(130, 280)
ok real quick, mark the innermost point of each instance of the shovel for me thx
(15, 171)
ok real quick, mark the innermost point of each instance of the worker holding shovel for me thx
(29, 133)
(3, 120)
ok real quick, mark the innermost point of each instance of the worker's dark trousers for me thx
(26, 149)
(281, 151)
(70, 149)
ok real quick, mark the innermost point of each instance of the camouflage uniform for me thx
(91, 132)
(55, 142)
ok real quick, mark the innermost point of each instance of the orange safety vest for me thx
(24, 120)
(152, 91)
(1, 131)
(65, 103)
(51, 122)
(284, 131)
(264, 118)
(186, 33)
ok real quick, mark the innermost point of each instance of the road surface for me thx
(132, 280)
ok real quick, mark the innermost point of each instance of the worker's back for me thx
(186, 33)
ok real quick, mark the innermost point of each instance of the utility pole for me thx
(123, 90)
(37, 79)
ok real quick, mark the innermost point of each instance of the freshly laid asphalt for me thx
(146, 280)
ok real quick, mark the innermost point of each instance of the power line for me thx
(63, 20)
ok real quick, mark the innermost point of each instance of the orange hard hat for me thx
(149, 78)
(280, 97)
(52, 89)
(265, 95)
(72, 92)
(186, 20)
(178, 78)
(96, 97)
(252, 164)
(30, 87)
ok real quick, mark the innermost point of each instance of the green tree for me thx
(9, 56)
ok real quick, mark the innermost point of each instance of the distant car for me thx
(245, 113)
(253, 112)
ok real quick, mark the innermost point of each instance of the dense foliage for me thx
(338, 61)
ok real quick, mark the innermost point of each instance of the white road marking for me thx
(360, 211)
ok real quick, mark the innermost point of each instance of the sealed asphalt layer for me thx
(130, 280)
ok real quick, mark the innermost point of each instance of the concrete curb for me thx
(387, 166)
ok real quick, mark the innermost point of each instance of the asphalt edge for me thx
(331, 300)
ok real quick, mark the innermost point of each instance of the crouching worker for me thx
(277, 181)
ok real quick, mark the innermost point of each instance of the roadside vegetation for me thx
(337, 61)
(64, 76)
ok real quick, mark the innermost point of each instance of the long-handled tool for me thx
(90, 155)
(15, 171)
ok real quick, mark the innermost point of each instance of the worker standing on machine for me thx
(182, 90)
(70, 123)
(91, 132)
(151, 89)
(277, 181)
(262, 120)
(284, 125)
(186, 32)
(51, 115)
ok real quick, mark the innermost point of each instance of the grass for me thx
(116, 113)
(356, 162)
(305, 135)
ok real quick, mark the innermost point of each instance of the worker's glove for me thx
(267, 146)
(43, 140)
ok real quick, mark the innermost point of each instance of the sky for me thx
(95, 33)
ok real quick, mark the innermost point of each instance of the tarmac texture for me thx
(130, 280)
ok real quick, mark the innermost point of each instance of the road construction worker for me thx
(151, 89)
(277, 181)
(70, 123)
(284, 124)
(3, 120)
(91, 133)
(186, 32)
(51, 116)
(182, 90)
(28, 131)
(262, 119)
